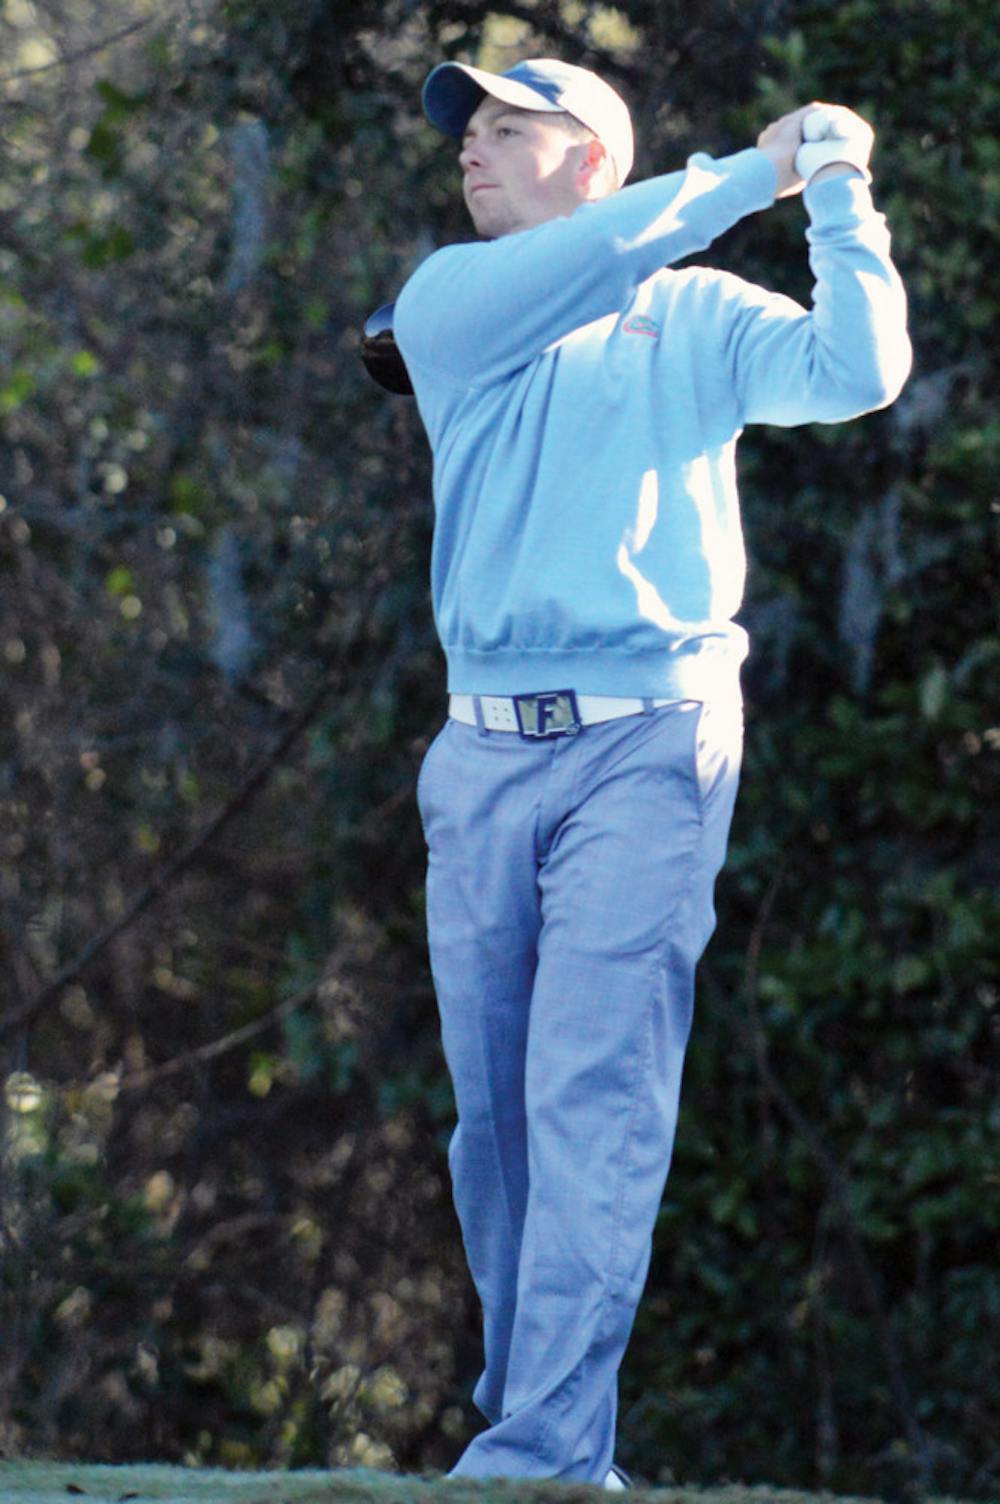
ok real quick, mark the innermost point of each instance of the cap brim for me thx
(454, 91)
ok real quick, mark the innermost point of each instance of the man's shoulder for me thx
(708, 288)
(696, 279)
(440, 259)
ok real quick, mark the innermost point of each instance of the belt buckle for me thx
(543, 716)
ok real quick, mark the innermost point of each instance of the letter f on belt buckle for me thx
(553, 713)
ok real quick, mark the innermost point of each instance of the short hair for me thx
(581, 132)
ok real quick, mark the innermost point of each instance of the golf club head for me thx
(380, 353)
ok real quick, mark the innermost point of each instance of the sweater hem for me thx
(711, 672)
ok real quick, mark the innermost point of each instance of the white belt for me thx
(500, 714)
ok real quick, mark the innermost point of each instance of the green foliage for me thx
(225, 1228)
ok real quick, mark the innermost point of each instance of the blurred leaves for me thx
(208, 511)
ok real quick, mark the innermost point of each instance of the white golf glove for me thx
(833, 133)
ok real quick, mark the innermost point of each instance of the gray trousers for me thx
(569, 897)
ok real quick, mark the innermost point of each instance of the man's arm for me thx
(850, 353)
(471, 314)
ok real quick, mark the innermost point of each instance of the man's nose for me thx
(471, 154)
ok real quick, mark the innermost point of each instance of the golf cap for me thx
(454, 91)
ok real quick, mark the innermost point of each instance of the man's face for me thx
(521, 168)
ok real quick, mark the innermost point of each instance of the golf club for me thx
(380, 353)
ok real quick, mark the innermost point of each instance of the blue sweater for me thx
(583, 406)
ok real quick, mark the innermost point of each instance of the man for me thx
(583, 405)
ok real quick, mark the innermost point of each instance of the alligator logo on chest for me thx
(640, 324)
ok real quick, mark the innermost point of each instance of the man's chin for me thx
(489, 216)
(493, 226)
(486, 224)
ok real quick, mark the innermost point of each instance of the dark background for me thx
(225, 1222)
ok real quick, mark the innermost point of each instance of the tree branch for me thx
(137, 1080)
(26, 1015)
(75, 57)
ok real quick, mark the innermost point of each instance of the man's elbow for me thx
(846, 395)
(881, 385)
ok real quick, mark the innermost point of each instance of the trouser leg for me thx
(483, 913)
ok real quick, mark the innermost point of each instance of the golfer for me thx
(583, 403)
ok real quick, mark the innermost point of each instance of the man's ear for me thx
(590, 168)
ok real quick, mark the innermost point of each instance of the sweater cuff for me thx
(833, 199)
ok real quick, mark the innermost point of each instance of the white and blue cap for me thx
(454, 91)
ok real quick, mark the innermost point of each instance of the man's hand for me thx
(844, 145)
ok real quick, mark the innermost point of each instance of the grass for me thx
(61, 1482)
